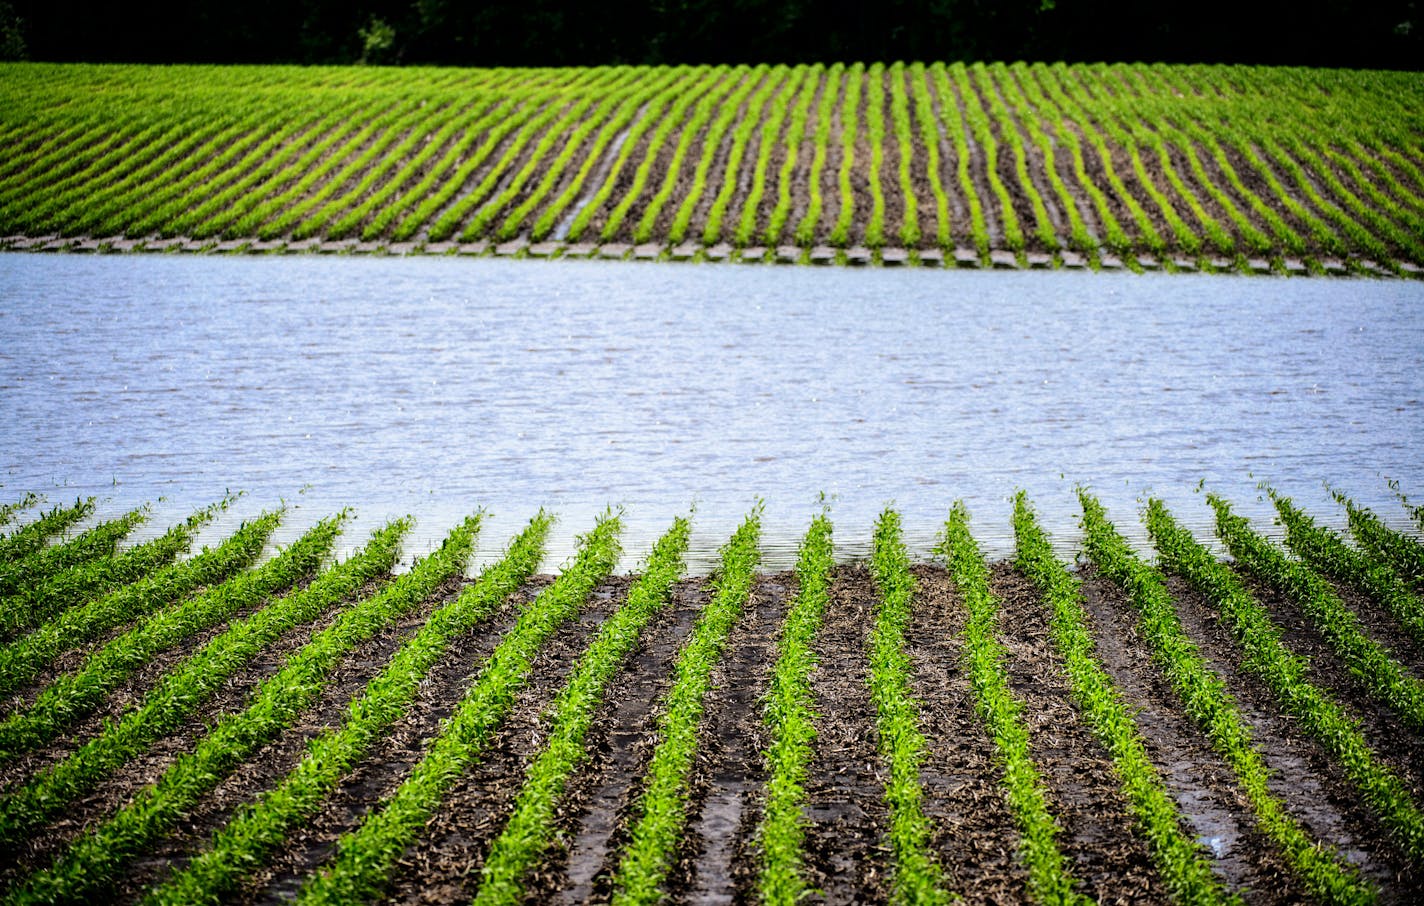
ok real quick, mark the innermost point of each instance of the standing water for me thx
(439, 386)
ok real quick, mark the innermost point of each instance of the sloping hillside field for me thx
(1136, 166)
(1151, 728)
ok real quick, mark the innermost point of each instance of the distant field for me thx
(1182, 167)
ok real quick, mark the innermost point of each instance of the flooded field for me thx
(436, 386)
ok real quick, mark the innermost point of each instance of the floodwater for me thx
(439, 386)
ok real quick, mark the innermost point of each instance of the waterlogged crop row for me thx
(1187, 164)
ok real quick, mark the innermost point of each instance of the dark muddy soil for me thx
(1085, 796)
(716, 861)
(976, 837)
(1306, 777)
(443, 866)
(1400, 745)
(1198, 778)
(596, 804)
(845, 855)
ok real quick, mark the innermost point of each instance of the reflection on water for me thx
(437, 386)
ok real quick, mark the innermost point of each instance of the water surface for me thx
(438, 386)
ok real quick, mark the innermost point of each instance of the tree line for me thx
(1347, 33)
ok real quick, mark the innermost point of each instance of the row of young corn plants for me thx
(1322, 869)
(904, 138)
(76, 694)
(191, 684)
(42, 601)
(1370, 662)
(101, 852)
(635, 116)
(917, 876)
(33, 536)
(849, 122)
(810, 222)
(631, 105)
(875, 137)
(23, 659)
(1394, 549)
(930, 138)
(17, 577)
(763, 79)
(262, 827)
(676, 118)
(659, 814)
(1328, 554)
(1286, 675)
(1050, 879)
(987, 88)
(1194, 125)
(807, 80)
(791, 721)
(529, 831)
(766, 128)
(1182, 862)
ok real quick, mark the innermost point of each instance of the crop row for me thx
(1194, 166)
(330, 615)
